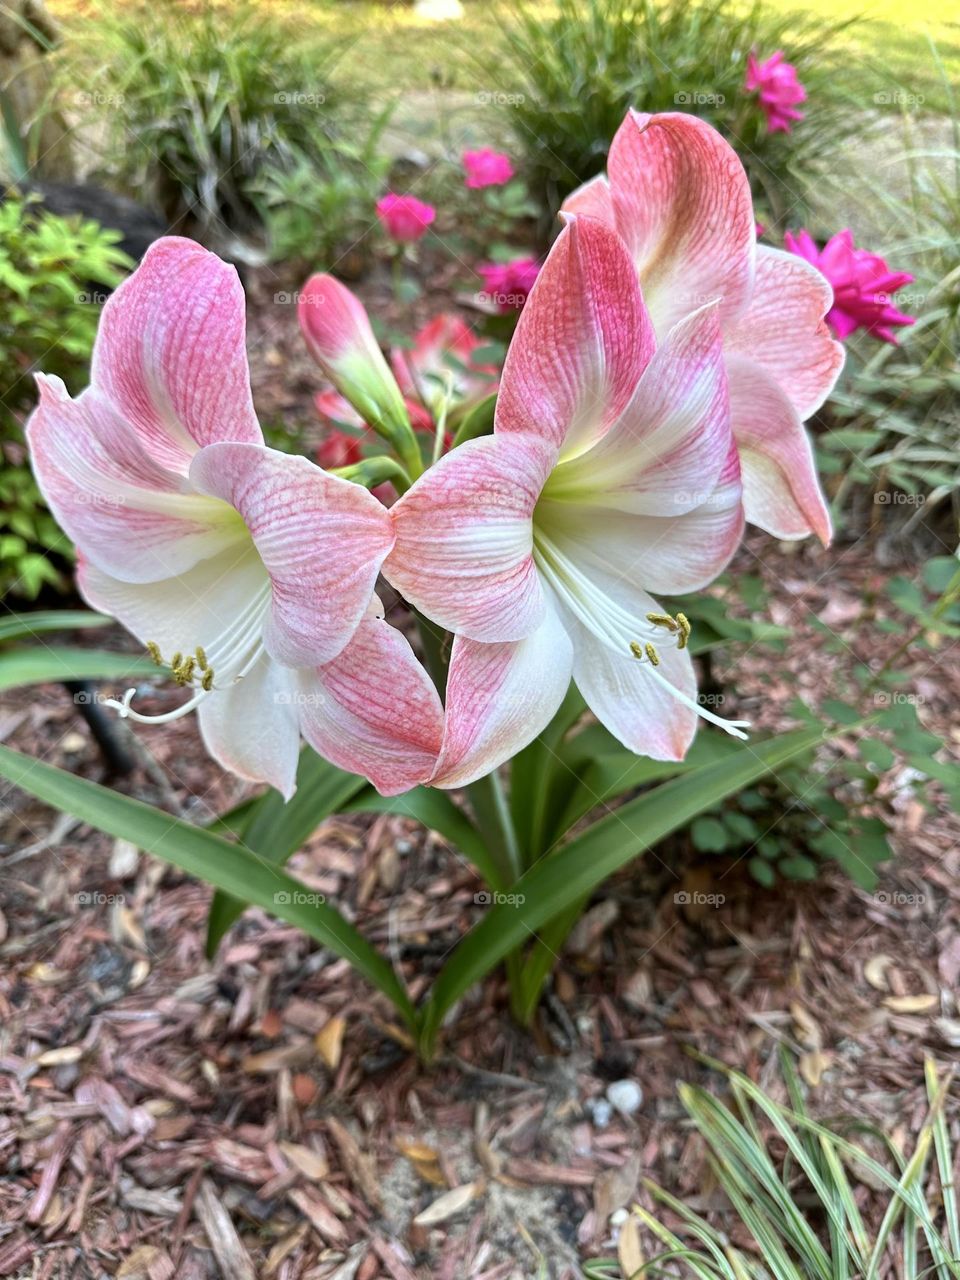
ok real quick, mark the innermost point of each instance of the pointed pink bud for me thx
(338, 334)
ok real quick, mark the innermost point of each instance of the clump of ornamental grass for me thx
(795, 1192)
(570, 72)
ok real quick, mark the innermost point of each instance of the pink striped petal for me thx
(781, 491)
(593, 199)
(252, 728)
(119, 505)
(783, 329)
(321, 538)
(374, 710)
(664, 454)
(499, 697)
(627, 699)
(683, 206)
(465, 536)
(170, 353)
(581, 342)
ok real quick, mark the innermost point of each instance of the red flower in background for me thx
(405, 218)
(779, 90)
(507, 284)
(863, 284)
(486, 168)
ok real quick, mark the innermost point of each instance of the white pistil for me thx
(233, 654)
(614, 627)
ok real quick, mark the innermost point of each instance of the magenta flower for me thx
(779, 90)
(404, 218)
(863, 284)
(507, 284)
(486, 168)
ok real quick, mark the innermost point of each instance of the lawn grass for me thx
(387, 47)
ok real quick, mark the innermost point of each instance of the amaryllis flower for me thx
(405, 218)
(863, 284)
(248, 573)
(611, 475)
(778, 88)
(507, 284)
(678, 195)
(486, 168)
(440, 367)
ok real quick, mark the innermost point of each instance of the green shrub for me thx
(197, 103)
(317, 206)
(571, 73)
(53, 272)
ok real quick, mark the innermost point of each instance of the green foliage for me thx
(896, 412)
(572, 71)
(816, 811)
(317, 203)
(201, 103)
(797, 1189)
(53, 274)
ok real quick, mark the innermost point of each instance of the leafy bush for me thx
(814, 812)
(571, 73)
(53, 272)
(199, 103)
(802, 1211)
(317, 206)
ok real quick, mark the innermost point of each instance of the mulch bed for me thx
(261, 1115)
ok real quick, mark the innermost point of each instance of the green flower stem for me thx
(373, 471)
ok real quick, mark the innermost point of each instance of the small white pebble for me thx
(626, 1096)
(619, 1217)
(601, 1112)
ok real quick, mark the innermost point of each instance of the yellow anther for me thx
(154, 651)
(202, 662)
(663, 620)
(685, 630)
(652, 654)
(176, 661)
(207, 682)
(636, 648)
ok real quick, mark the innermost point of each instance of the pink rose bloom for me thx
(486, 168)
(508, 283)
(863, 284)
(779, 90)
(404, 218)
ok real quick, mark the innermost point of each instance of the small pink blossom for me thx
(508, 283)
(863, 284)
(486, 168)
(404, 218)
(779, 90)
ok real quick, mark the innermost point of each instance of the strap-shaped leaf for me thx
(232, 868)
(17, 626)
(560, 880)
(44, 664)
(275, 830)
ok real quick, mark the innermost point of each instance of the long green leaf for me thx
(15, 626)
(232, 868)
(42, 664)
(602, 849)
(276, 829)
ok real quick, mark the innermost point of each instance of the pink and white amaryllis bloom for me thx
(611, 475)
(678, 195)
(247, 572)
